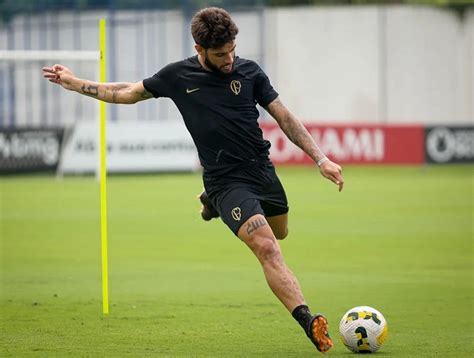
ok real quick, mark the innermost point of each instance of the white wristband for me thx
(321, 161)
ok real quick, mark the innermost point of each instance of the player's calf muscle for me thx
(282, 235)
(279, 225)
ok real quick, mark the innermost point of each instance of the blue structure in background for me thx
(49, 27)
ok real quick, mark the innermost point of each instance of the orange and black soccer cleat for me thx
(207, 211)
(318, 333)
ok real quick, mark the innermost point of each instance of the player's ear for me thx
(199, 49)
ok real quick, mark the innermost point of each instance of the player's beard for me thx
(214, 68)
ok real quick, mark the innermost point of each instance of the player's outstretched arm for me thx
(112, 92)
(298, 134)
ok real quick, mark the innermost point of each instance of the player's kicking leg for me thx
(259, 237)
(279, 225)
(208, 211)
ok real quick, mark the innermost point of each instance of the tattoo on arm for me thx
(117, 92)
(90, 90)
(145, 94)
(294, 129)
(116, 88)
(255, 224)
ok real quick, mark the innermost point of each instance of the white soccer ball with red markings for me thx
(363, 329)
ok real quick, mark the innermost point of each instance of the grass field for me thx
(399, 239)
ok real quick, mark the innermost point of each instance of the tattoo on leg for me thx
(255, 224)
(90, 90)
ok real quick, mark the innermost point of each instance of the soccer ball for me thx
(363, 329)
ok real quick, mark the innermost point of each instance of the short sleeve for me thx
(264, 92)
(160, 84)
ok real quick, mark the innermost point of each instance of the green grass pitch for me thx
(399, 239)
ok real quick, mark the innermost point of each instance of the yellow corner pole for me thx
(103, 176)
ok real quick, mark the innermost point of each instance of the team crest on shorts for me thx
(236, 213)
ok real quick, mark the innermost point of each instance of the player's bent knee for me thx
(267, 249)
(260, 238)
(268, 252)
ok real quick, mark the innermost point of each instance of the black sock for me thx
(303, 315)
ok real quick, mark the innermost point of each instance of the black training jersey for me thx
(218, 109)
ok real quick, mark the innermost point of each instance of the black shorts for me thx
(247, 191)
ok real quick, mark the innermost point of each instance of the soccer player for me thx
(217, 93)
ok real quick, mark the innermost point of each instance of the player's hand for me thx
(60, 75)
(333, 172)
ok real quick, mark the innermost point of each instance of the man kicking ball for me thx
(217, 93)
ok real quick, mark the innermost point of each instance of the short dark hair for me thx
(213, 27)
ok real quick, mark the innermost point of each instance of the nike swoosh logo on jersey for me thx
(192, 90)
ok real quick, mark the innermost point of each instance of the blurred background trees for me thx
(9, 8)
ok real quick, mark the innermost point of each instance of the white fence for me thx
(377, 64)
(392, 64)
